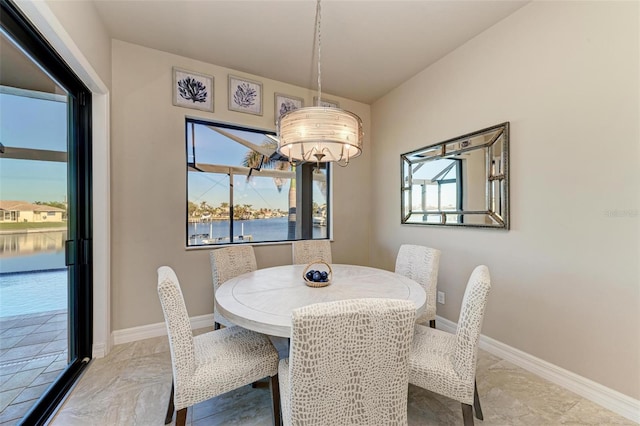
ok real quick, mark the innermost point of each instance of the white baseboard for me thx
(155, 330)
(99, 350)
(608, 398)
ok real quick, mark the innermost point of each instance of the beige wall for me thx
(565, 277)
(83, 24)
(148, 184)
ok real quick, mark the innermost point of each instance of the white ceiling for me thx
(368, 47)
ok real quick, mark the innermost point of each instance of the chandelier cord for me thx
(319, 41)
(319, 134)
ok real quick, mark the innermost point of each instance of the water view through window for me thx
(33, 230)
(240, 190)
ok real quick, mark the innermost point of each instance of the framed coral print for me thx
(326, 103)
(245, 95)
(286, 103)
(192, 90)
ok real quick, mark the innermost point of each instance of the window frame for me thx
(304, 191)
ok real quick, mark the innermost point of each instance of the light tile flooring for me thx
(131, 387)
(33, 352)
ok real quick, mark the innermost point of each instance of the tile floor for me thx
(33, 352)
(131, 387)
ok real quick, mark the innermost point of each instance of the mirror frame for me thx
(494, 182)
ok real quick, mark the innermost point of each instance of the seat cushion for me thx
(431, 366)
(225, 360)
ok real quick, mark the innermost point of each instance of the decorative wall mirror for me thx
(463, 181)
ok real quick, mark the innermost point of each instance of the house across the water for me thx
(23, 211)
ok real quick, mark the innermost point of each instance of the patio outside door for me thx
(45, 224)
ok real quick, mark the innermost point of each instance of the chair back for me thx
(178, 328)
(229, 262)
(309, 250)
(470, 323)
(348, 362)
(421, 265)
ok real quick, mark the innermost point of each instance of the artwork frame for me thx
(193, 90)
(285, 103)
(326, 103)
(245, 95)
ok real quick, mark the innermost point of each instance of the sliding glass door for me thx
(45, 224)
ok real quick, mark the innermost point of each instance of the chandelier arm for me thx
(342, 162)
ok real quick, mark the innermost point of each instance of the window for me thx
(239, 190)
(436, 188)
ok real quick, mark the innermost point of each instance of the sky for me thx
(36, 124)
(259, 192)
(42, 124)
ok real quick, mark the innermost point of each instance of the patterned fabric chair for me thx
(445, 363)
(421, 265)
(213, 363)
(309, 250)
(227, 263)
(348, 363)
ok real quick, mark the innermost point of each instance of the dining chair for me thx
(307, 251)
(210, 364)
(445, 363)
(227, 263)
(348, 363)
(421, 265)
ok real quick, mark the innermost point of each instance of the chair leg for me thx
(467, 414)
(275, 399)
(216, 326)
(170, 407)
(432, 323)
(181, 417)
(476, 402)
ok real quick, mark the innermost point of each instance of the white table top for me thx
(264, 299)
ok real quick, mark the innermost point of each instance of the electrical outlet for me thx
(441, 297)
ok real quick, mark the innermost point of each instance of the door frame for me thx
(46, 22)
(79, 217)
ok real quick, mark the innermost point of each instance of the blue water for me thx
(33, 276)
(273, 229)
(32, 262)
(32, 251)
(32, 292)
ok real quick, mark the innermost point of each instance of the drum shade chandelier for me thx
(320, 134)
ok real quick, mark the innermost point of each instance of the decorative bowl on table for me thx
(317, 274)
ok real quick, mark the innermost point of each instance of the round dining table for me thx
(263, 300)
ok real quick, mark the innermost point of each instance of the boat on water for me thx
(319, 221)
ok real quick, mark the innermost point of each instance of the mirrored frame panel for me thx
(463, 181)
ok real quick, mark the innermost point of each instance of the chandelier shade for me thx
(320, 134)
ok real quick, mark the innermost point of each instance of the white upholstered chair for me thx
(213, 363)
(445, 363)
(421, 265)
(348, 363)
(227, 263)
(306, 251)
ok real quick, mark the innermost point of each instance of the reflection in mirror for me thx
(463, 181)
